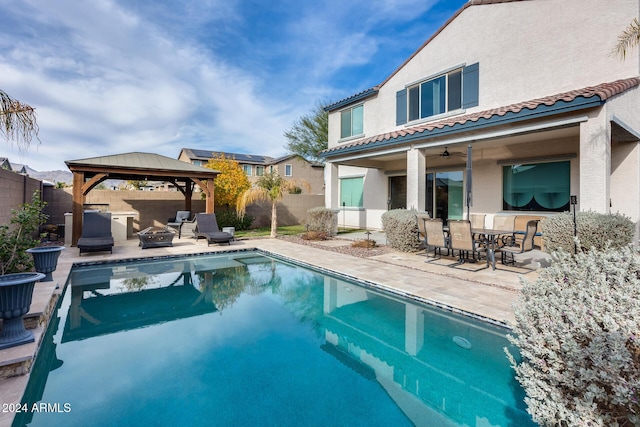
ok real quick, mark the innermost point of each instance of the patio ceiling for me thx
(88, 173)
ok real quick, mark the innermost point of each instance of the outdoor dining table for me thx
(491, 237)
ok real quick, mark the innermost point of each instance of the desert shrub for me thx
(401, 228)
(364, 243)
(594, 230)
(230, 218)
(315, 235)
(578, 331)
(321, 219)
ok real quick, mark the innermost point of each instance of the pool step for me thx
(17, 360)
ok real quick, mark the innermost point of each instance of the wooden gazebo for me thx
(87, 173)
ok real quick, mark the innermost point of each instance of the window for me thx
(259, 170)
(351, 192)
(536, 187)
(351, 122)
(247, 169)
(449, 91)
(288, 170)
(197, 162)
(436, 96)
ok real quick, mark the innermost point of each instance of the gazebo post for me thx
(210, 198)
(77, 207)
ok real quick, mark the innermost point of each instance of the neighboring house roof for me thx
(5, 164)
(588, 97)
(195, 154)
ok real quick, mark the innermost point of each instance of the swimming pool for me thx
(246, 339)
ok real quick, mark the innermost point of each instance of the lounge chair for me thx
(208, 228)
(525, 245)
(96, 233)
(178, 220)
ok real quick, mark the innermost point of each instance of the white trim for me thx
(352, 176)
(377, 153)
(504, 133)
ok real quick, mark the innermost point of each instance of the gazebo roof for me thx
(134, 165)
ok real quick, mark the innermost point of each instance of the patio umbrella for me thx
(468, 186)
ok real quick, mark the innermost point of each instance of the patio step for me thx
(17, 360)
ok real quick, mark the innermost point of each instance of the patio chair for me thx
(208, 228)
(462, 240)
(420, 221)
(507, 223)
(434, 237)
(526, 244)
(96, 233)
(178, 220)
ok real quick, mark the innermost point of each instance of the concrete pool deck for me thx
(469, 287)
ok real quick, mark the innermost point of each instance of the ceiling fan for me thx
(448, 154)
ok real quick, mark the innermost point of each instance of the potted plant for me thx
(16, 277)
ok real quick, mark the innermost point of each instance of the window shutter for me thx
(401, 107)
(470, 77)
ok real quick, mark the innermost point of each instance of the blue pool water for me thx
(242, 339)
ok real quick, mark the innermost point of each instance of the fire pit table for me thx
(156, 237)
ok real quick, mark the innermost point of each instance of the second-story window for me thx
(436, 96)
(247, 169)
(259, 170)
(288, 170)
(351, 122)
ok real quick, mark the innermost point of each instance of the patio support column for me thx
(416, 181)
(77, 207)
(331, 192)
(595, 163)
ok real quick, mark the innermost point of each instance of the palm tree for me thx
(17, 121)
(270, 187)
(628, 39)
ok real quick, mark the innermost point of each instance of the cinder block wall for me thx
(154, 208)
(16, 189)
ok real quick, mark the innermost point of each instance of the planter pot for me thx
(16, 291)
(45, 259)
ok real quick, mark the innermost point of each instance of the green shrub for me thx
(322, 219)
(594, 230)
(230, 218)
(17, 237)
(401, 228)
(578, 331)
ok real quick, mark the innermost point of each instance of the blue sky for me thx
(109, 77)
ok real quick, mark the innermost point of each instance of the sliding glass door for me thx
(444, 198)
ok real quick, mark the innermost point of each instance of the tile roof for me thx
(602, 92)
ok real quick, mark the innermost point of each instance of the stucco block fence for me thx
(152, 208)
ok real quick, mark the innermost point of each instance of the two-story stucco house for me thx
(255, 166)
(531, 85)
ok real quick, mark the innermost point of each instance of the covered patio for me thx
(88, 173)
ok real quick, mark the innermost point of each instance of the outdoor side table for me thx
(156, 237)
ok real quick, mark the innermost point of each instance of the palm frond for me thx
(17, 121)
(629, 38)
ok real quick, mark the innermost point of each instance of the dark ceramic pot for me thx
(16, 291)
(45, 259)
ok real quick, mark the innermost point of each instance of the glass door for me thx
(397, 192)
(445, 195)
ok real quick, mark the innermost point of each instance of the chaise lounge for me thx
(96, 233)
(207, 227)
